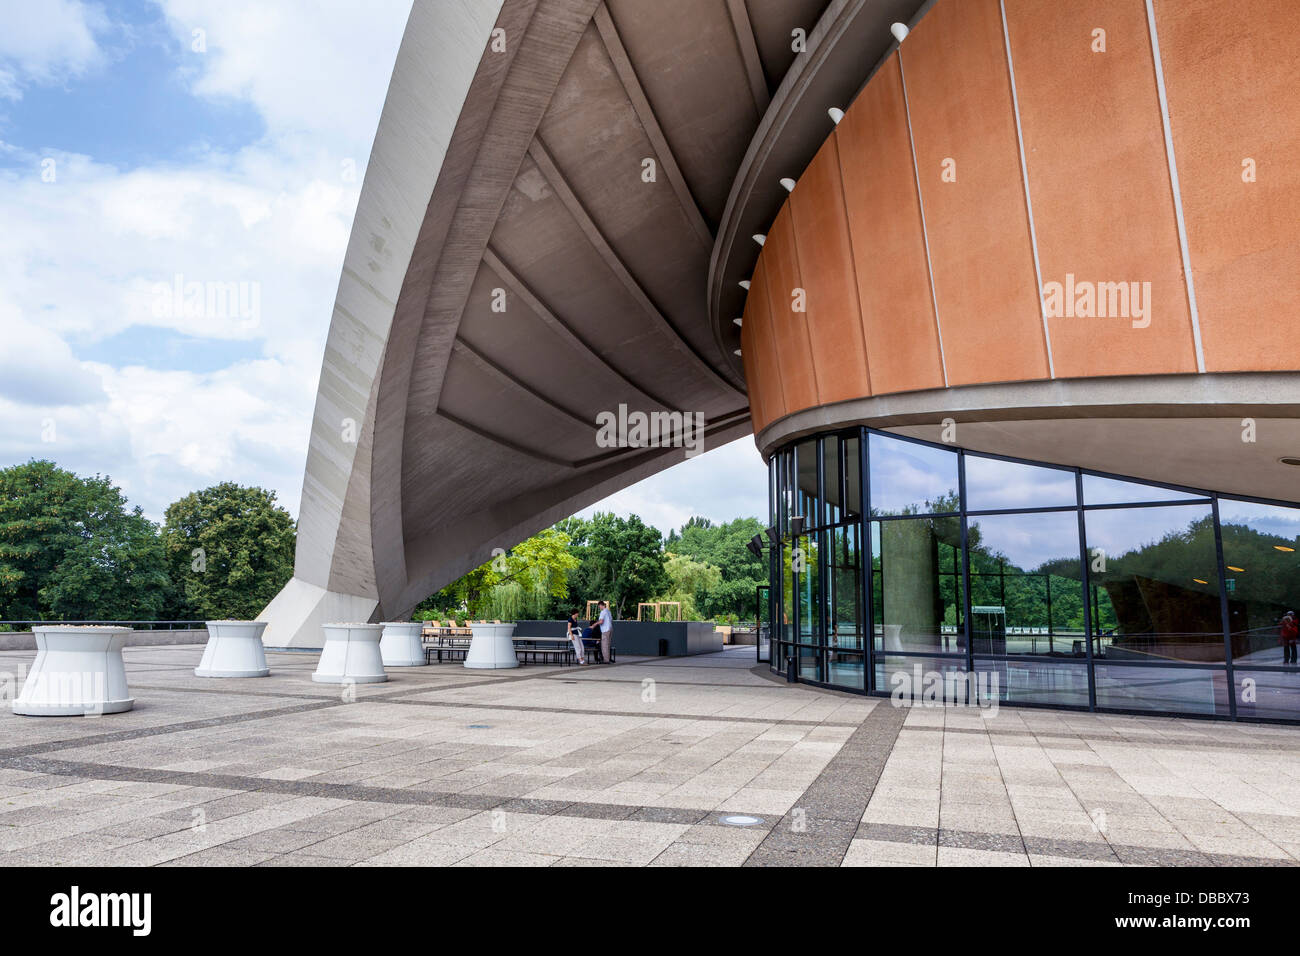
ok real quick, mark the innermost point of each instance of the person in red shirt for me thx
(1289, 633)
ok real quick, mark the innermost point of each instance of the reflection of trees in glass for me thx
(947, 503)
(1166, 586)
(1262, 572)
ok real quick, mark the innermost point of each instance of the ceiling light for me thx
(1239, 570)
(737, 351)
(1290, 461)
(740, 322)
(836, 114)
(760, 238)
(899, 30)
(1282, 547)
(788, 183)
(1200, 581)
(744, 284)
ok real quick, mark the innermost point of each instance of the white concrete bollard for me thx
(401, 645)
(78, 672)
(492, 646)
(351, 654)
(234, 649)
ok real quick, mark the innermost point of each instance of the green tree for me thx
(622, 561)
(688, 581)
(70, 549)
(231, 549)
(117, 571)
(723, 547)
(526, 581)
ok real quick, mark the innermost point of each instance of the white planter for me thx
(234, 649)
(351, 655)
(401, 645)
(78, 672)
(492, 646)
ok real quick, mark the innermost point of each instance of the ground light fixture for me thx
(740, 820)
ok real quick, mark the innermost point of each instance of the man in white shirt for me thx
(606, 624)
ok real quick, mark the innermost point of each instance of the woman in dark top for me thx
(574, 633)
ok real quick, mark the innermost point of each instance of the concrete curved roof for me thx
(517, 266)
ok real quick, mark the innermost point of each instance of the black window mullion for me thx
(1224, 616)
(1087, 593)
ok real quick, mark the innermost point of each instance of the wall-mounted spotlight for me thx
(739, 322)
(789, 184)
(755, 546)
(771, 535)
(796, 525)
(899, 30)
(744, 284)
(836, 114)
(759, 238)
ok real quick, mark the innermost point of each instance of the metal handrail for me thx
(171, 625)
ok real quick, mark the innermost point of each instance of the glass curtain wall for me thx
(1031, 583)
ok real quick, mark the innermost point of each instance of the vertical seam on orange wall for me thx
(853, 259)
(807, 326)
(925, 234)
(1177, 189)
(1029, 202)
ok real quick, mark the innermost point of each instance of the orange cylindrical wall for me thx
(989, 157)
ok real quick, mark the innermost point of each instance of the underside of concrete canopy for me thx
(531, 249)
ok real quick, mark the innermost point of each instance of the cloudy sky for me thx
(147, 144)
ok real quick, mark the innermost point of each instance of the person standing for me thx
(1289, 633)
(575, 637)
(606, 624)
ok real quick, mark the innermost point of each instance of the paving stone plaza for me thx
(639, 763)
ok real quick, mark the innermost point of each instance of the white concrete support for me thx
(234, 649)
(78, 672)
(492, 647)
(351, 655)
(401, 645)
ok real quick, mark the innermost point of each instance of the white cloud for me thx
(319, 67)
(721, 484)
(47, 42)
(84, 257)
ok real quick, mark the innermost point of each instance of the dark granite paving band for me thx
(521, 708)
(819, 828)
(91, 740)
(1043, 846)
(362, 794)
